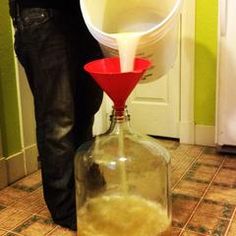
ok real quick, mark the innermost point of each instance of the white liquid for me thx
(127, 46)
(128, 29)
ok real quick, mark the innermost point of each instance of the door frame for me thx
(187, 72)
(187, 69)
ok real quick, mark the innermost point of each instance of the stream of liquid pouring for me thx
(127, 46)
(128, 29)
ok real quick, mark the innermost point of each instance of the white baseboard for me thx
(15, 167)
(18, 165)
(22, 163)
(186, 132)
(3, 173)
(31, 158)
(205, 135)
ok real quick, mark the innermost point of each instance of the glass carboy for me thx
(122, 183)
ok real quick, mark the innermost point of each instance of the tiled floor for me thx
(203, 196)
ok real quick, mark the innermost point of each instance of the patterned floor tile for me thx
(230, 162)
(210, 151)
(12, 234)
(11, 217)
(226, 177)
(32, 203)
(189, 233)
(35, 226)
(221, 194)
(169, 144)
(205, 224)
(175, 177)
(2, 207)
(201, 173)
(44, 212)
(211, 159)
(180, 162)
(2, 232)
(232, 229)
(191, 188)
(62, 232)
(215, 209)
(211, 218)
(183, 207)
(29, 183)
(194, 150)
(10, 195)
(182, 148)
(175, 231)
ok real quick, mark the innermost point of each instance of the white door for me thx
(155, 106)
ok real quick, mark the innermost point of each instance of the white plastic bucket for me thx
(159, 18)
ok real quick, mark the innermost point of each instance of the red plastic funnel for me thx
(116, 84)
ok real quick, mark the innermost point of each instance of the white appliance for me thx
(226, 92)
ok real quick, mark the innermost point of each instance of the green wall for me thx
(205, 61)
(9, 112)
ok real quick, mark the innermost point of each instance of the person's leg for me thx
(83, 49)
(44, 49)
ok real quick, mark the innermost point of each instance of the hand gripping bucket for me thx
(157, 20)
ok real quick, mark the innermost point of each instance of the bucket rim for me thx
(174, 11)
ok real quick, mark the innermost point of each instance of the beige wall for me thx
(28, 123)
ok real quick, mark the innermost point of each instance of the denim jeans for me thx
(53, 46)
